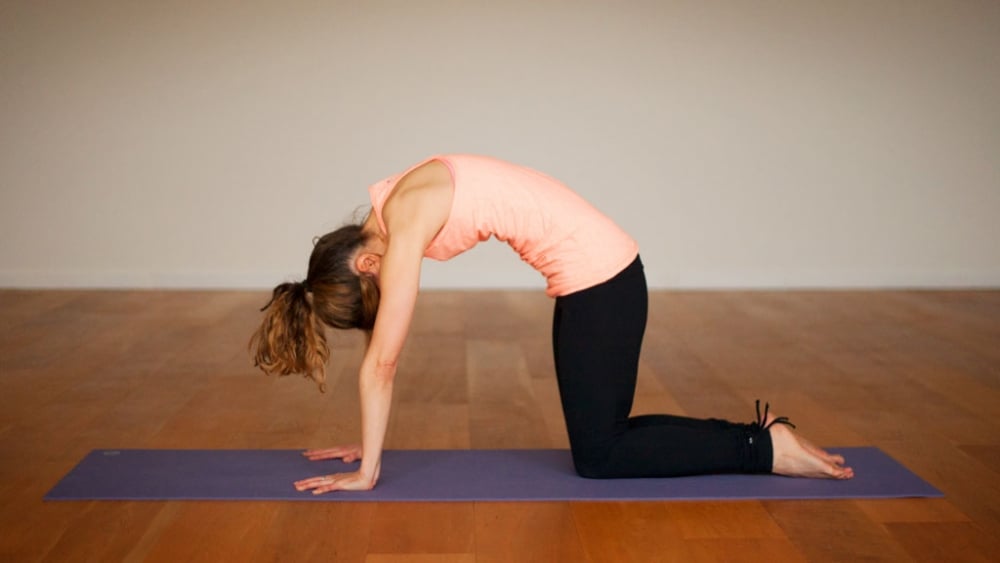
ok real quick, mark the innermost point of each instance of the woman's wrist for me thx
(369, 472)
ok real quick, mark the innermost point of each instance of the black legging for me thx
(596, 338)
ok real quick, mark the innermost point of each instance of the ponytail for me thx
(291, 337)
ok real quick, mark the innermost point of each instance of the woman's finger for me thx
(325, 489)
(347, 453)
(321, 454)
(330, 483)
(312, 482)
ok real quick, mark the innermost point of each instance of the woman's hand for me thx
(354, 481)
(345, 453)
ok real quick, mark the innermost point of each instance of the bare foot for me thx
(835, 459)
(797, 457)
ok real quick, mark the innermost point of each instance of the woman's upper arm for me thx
(399, 283)
(413, 216)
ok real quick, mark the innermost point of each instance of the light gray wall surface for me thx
(744, 144)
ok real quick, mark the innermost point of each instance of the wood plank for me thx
(914, 373)
(421, 426)
(711, 550)
(316, 531)
(423, 528)
(724, 520)
(945, 541)
(502, 407)
(617, 531)
(834, 530)
(214, 531)
(526, 531)
(105, 531)
(421, 558)
(911, 510)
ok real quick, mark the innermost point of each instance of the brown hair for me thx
(291, 338)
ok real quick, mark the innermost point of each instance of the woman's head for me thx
(291, 338)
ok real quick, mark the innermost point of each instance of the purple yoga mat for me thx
(447, 475)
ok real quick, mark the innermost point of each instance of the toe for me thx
(837, 459)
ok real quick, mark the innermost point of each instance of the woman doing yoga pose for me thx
(367, 276)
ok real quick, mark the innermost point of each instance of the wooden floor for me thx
(915, 373)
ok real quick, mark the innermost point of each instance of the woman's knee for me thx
(591, 466)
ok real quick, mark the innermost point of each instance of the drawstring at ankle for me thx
(757, 427)
(758, 452)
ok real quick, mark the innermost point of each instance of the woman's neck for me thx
(370, 225)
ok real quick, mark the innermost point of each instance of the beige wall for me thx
(745, 144)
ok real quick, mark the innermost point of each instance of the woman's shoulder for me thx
(422, 197)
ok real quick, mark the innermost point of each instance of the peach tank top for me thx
(553, 229)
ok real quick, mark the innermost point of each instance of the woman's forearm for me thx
(375, 386)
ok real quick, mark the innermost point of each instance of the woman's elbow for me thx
(385, 370)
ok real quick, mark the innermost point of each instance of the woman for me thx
(367, 276)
